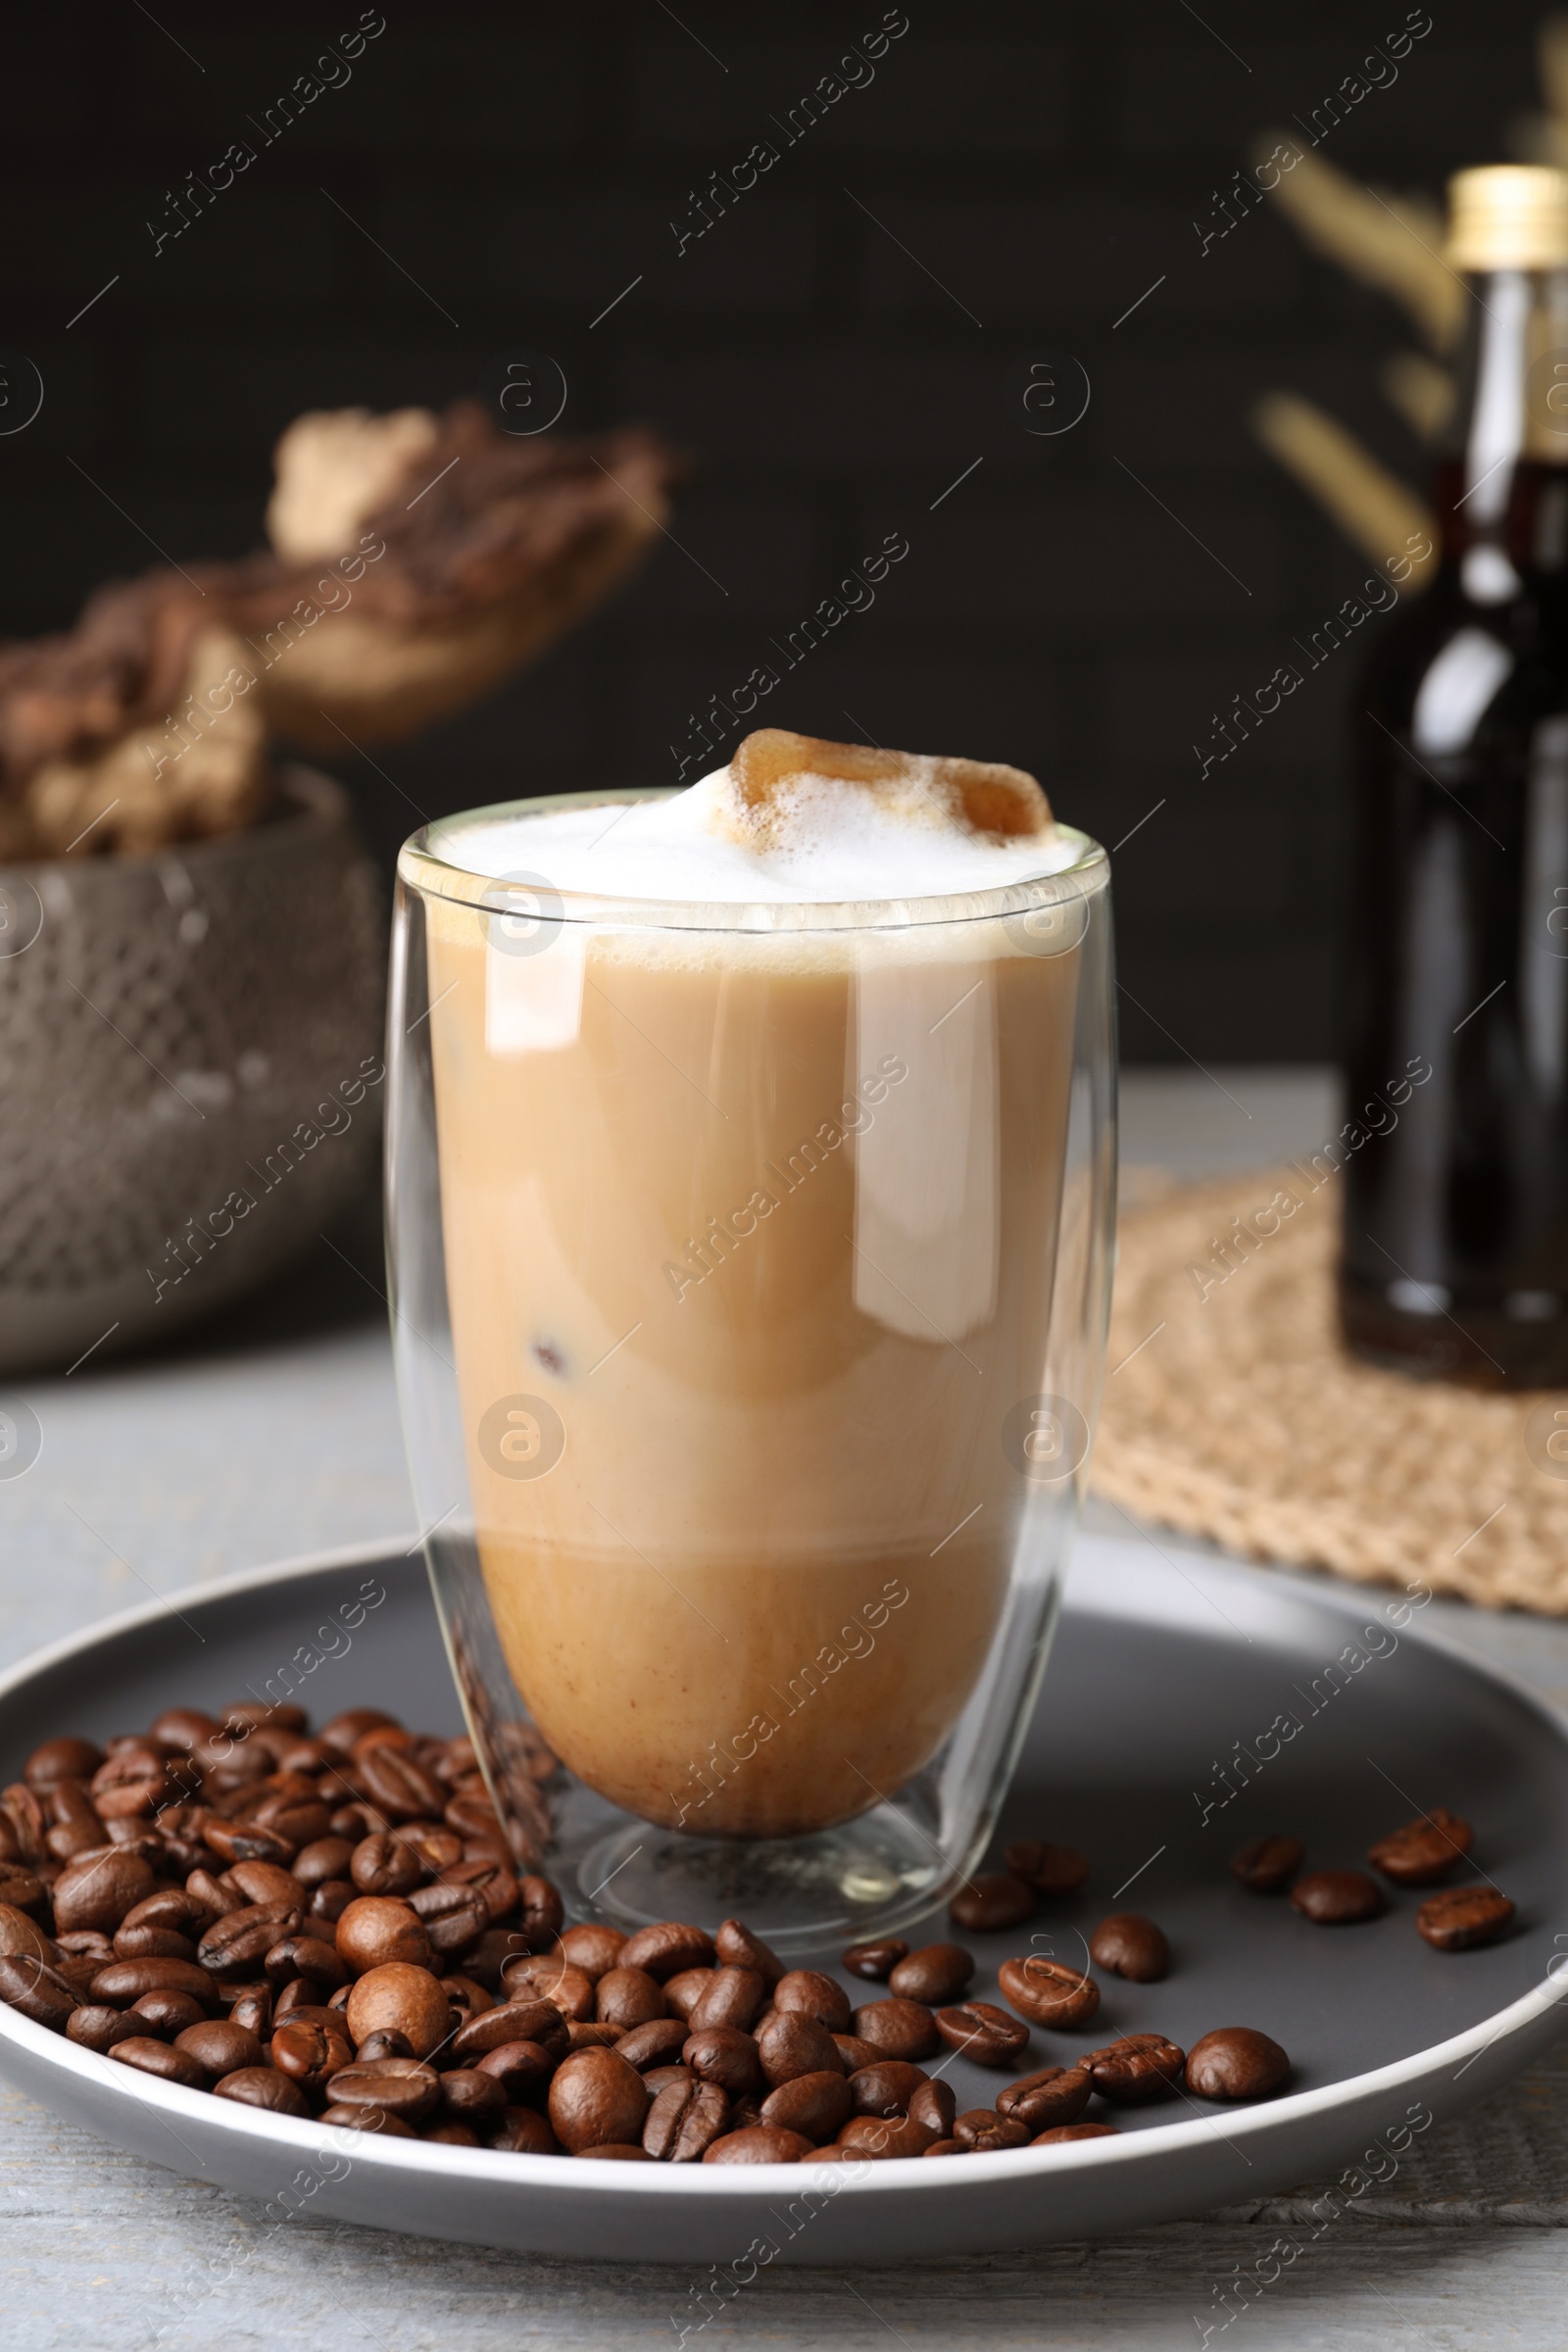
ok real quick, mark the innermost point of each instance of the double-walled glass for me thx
(750, 1267)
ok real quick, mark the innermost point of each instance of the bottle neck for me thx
(1503, 485)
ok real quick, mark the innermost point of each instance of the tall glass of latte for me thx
(751, 1172)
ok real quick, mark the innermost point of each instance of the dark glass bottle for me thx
(1455, 1249)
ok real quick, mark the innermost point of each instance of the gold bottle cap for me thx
(1508, 216)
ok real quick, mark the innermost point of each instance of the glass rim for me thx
(421, 869)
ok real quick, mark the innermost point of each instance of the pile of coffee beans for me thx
(330, 1926)
(1429, 1848)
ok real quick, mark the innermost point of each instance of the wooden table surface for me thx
(281, 1435)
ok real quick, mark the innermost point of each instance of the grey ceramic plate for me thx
(1159, 1671)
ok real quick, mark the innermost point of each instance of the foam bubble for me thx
(825, 843)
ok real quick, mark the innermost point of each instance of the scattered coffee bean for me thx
(167, 2012)
(761, 2144)
(786, 2045)
(1048, 1869)
(471, 2098)
(544, 1977)
(1424, 1850)
(996, 1899)
(984, 2131)
(263, 2087)
(737, 1948)
(311, 2054)
(151, 2057)
(1337, 1898)
(1236, 2063)
(1061, 2132)
(1269, 1864)
(98, 2028)
(933, 2105)
(402, 1999)
(1130, 1945)
(1135, 2068)
(1048, 1992)
(734, 2061)
(21, 1935)
(657, 2044)
(979, 2031)
(1056, 2095)
(518, 2068)
(731, 1996)
(875, 1960)
(627, 1996)
(511, 2021)
(854, 2051)
(399, 2087)
(664, 1950)
(595, 2098)
(885, 2087)
(521, 2131)
(816, 2106)
(885, 2135)
(936, 1972)
(368, 2119)
(684, 2121)
(1462, 1917)
(948, 2147)
(217, 2046)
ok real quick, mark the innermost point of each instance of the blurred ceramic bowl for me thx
(190, 1070)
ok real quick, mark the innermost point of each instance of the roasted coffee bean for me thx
(469, 2096)
(1133, 2069)
(329, 1899)
(596, 2098)
(841, 2155)
(1424, 1850)
(595, 1950)
(397, 1785)
(310, 2054)
(622, 2155)
(735, 1946)
(74, 1825)
(305, 1957)
(218, 2048)
(760, 2143)
(875, 1960)
(300, 1994)
(628, 1996)
(79, 1973)
(167, 2012)
(854, 2051)
(437, 1847)
(246, 1842)
(131, 1784)
(1269, 1864)
(475, 1820)
(218, 1899)
(734, 2060)
(151, 2057)
(261, 1881)
(996, 1899)
(594, 2034)
(668, 1949)
(684, 2122)
(885, 2087)
(1048, 1869)
(26, 1824)
(685, 1988)
(1061, 2132)
(732, 1996)
(817, 2106)
(660, 2078)
(123, 1982)
(341, 1734)
(898, 2028)
(468, 1999)
(235, 1945)
(403, 1999)
(1048, 1992)
(252, 2008)
(520, 2067)
(20, 1888)
(384, 2044)
(382, 1865)
(37, 1989)
(1130, 1945)
(1058, 2094)
(368, 2119)
(355, 1820)
(323, 1859)
(544, 1977)
(450, 2134)
(171, 1907)
(886, 2135)
(932, 2105)
(513, 2021)
(399, 2087)
(806, 1993)
(99, 2029)
(1337, 1898)
(1463, 1917)
(377, 1930)
(936, 1972)
(96, 1890)
(64, 1759)
(786, 2045)
(484, 1960)
(542, 1913)
(946, 2147)
(296, 1820)
(23, 1935)
(981, 2032)
(452, 1917)
(985, 2130)
(1236, 2063)
(661, 2039)
(522, 2132)
(86, 1943)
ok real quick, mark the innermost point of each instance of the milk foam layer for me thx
(839, 845)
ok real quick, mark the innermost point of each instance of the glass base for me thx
(865, 1878)
(1476, 1347)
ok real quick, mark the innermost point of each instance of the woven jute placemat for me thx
(1231, 1411)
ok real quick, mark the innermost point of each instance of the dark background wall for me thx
(1031, 170)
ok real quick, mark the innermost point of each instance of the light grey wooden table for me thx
(282, 1437)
